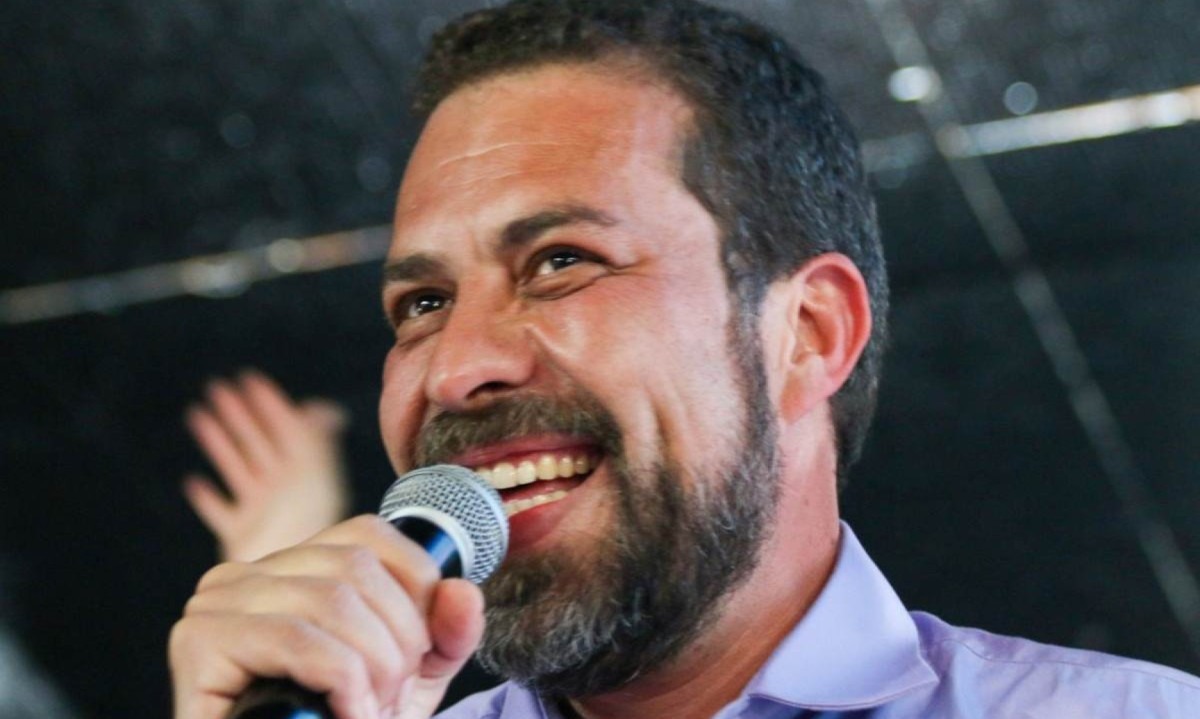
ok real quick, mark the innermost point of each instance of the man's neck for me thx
(715, 669)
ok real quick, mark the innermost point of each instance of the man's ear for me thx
(826, 323)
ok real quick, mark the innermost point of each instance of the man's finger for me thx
(326, 414)
(241, 423)
(225, 454)
(208, 503)
(456, 626)
(403, 614)
(404, 559)
(278, 416)
(338, 608)
(264, 646)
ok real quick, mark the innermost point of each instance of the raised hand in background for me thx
(280, 460)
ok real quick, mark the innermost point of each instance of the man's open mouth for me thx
(538, 478)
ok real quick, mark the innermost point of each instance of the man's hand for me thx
(281, 462)
(358, 612)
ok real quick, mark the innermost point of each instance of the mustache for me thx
(449, 434)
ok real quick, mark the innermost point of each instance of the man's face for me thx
(563, 325)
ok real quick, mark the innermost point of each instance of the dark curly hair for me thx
(770, 154)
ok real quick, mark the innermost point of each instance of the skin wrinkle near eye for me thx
(551, 287)
(517, 233)
(520, 232)
(416, 269)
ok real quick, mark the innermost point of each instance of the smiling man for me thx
(636, 282)
(559, 302)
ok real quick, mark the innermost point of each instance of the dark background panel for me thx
(1073, 53)
(983, 495)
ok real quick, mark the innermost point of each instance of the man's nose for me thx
(482, 351)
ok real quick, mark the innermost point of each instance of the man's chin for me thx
(548, 616)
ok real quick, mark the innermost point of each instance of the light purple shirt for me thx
(859, 653)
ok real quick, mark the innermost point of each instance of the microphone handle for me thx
(284, 698)
(279, 699)
(434, 540)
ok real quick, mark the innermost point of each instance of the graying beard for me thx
(662, 582)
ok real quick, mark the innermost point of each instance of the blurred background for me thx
(191, 187)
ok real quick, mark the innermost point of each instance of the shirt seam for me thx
(873, 702)
(1064, 662)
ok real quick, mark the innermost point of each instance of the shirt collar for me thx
(520, 701)
(856, 647)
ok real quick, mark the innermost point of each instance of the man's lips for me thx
(531, 472)
(513, 450)
(533, 479)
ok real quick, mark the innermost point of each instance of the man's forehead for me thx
(550, 93)
(552, 117)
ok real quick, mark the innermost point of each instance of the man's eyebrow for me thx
(515, 234)
(527, 229)
(412, 267)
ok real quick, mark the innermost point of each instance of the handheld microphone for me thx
(456, 516)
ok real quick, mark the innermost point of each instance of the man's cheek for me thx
(397, 426)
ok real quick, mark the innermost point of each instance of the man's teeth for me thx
(506, 475)
(520, 505)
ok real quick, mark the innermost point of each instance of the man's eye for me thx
(421, 304)
(557, 260)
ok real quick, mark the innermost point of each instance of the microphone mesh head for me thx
(464, 496)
